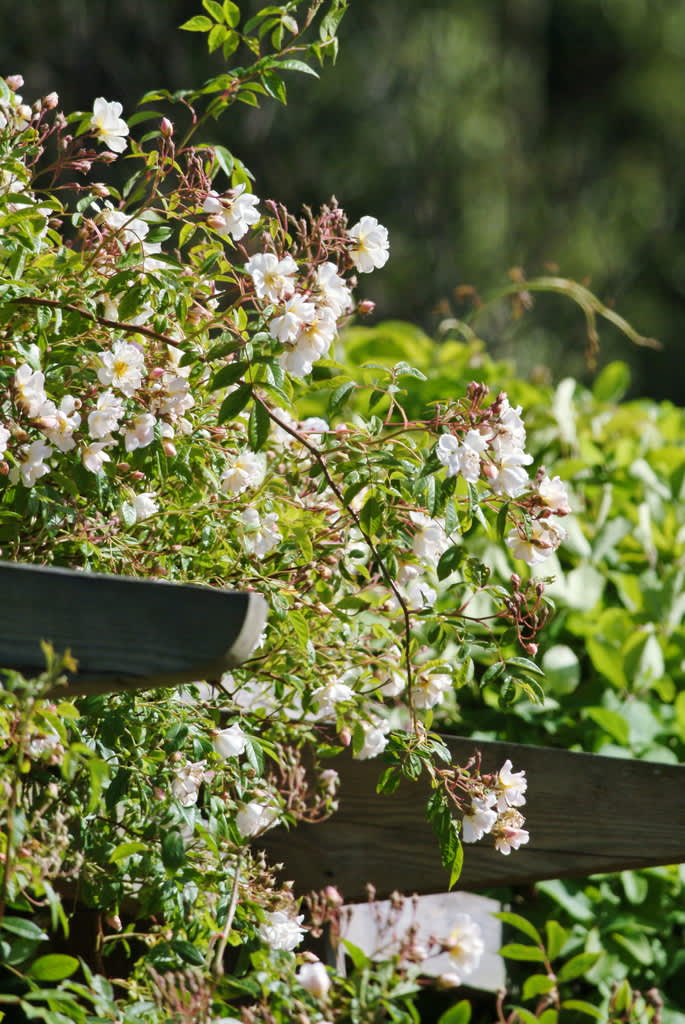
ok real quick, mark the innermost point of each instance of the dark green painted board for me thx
(585, 814)
(125, 633)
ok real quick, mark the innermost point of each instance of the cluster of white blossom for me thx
(493, 451)
(493, 811)
(308, 309)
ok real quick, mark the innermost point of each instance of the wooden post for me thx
(585, 814)
(125, 633)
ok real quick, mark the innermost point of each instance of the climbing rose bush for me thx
(175, 403)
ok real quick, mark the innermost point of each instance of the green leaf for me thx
(612, 383)
(356, 955)
(521, 924)
(583, 1007)
(457, 864)
(297, 65)
(228, 375)
(577, 966)
(26, 929)
(519, 951)
(611, 722)
(525, 1016)
(556, 938)
(258, 426)
(214, 8)
(538, 985)
(525, 665)
(337, 399)
(371, 515)
(235, 403)
(231, 13)
(199, 23)
(460, 1013)
(187, 951)
(125, 850)
(173, 850)
(450, 560)
(53, 967)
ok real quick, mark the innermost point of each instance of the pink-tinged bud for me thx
(108, 157)
(123, 467)
(216, 221)
(50, 101)
(114, 922)
(82, 165)
(15, 82)
(166, 127)
(157, 372)
(137, 475)
(4, 469)
(345, 737)
(24, 111)
(333, 897)
(169, 448)
(531, 649)
(489, 470)
(100, 189)
(366, 306)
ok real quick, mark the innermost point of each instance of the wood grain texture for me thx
(125, 633)
(585, 814)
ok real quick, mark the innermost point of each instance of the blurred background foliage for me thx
(485, 136)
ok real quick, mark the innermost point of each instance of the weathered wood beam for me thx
(585, 814)
(125, 633)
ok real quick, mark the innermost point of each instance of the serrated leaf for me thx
(577, 966)
(258, 426)
(389, 780)
(457, 865)
(492, 673)
(235, 403)
(231, 13)
(214, 8)
(199, 23)
(337, 399)
(519, 951)
(297, 65)
(450, 560)
(521, 924)
(526, 665)
(187, 951)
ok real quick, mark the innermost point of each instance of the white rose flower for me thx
(4, 438)
(273, 279)
(281, 931)
(145, 505)
(481, 820)
(544, 536)
(315, 979)
(254, 817)
(32, 465)
(260, 536)
(60, 424)
(246, 470)
(371, 246)
(233, 214)
(106, 415)
(108, 125)
(30, 390)
(123, 367)
(375, 740)
(465, 945)
(94, 455)
(429, 690)
(430, 540)
(230, 742)
(141, 432)
(296, 313)
(511, 787)
(334, 291)
(186, 784)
